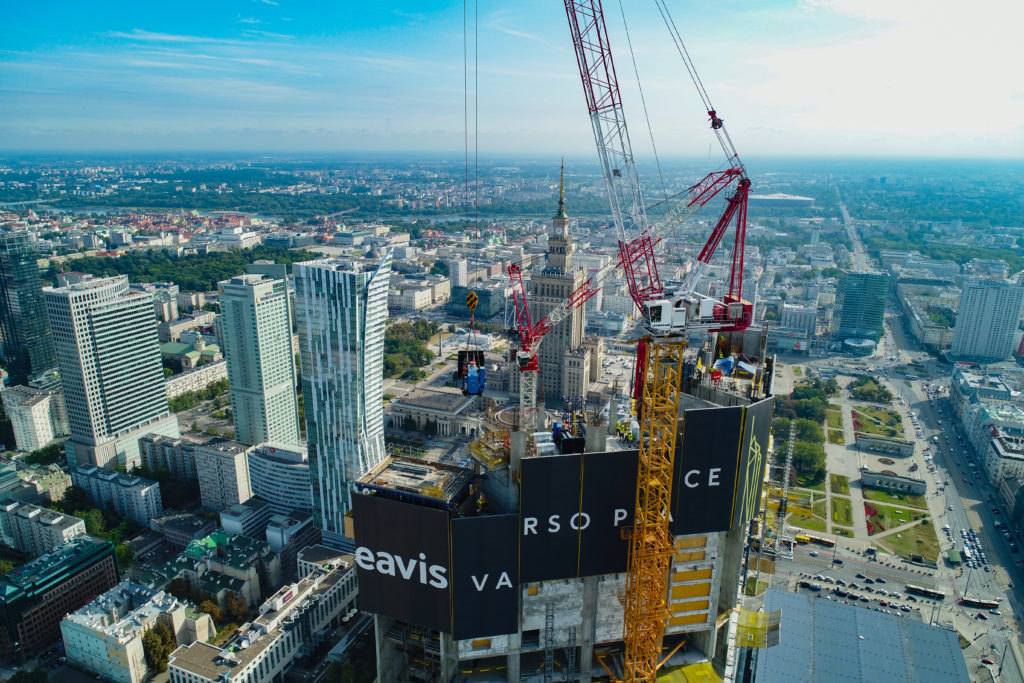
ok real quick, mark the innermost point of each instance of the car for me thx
(854, 585)
(987, 569)
(882, 591)
(904, 608)
(883, 603)
(950, 508)
(837, 561)
(879, 580)
(995, 612)
(864, 598)
(804, 584)
(995, 511)
(981, 615)
(869, 580)
(986, 660)
(840, 582)
(814, 553)
(861, 576)
(815, 587)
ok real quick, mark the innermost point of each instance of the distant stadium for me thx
(780, 201)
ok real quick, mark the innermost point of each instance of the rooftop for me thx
(251, 639)
(124, 610)
(825, 640)
(447, 399)
(322, 555)
(64, 558)
(417, 478)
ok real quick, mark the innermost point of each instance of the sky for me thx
(874, 78)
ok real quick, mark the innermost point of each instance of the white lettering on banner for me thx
(385, 563)
(578, 522)
(503, 581)
(712, 477)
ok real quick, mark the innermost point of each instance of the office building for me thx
(256, 328)
(564, 360)
(342, 309)
(128, 495)
(35, 597)
(35, 530)
(24, 328)
(247, 519)
(104, 637)
(35, 415)
(223, 473)
(458, 272)
(181, 528)
(860, 305)
(987, 320)
(288, 534)
(113, 381)
(320, 558)
(291, 625)
(279, 474)
(802, 318)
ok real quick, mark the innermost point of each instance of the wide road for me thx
(858, 254)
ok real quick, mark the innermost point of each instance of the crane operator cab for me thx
(693, 311)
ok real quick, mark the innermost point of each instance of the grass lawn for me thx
(910, 500)
(886, 517)
(842, 531)
(842, 511)
(754, 587)
(878, 421)
(839, 484)
(815, 486)
(807, 523)
(819, 508)
(797, 371)
(835, 408)
(834, 419)
(917, 540)
(836, 436)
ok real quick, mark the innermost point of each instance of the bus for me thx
(966, 553)
(978, 602)
(926, 592)
(818, 540)
(802, 539)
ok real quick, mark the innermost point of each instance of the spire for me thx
(561, 195)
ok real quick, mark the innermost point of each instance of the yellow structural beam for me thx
(651, 544)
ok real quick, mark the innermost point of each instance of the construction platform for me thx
(424, 482)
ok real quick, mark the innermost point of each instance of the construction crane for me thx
(667, 321)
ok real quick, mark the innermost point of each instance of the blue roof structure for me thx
(826, 640)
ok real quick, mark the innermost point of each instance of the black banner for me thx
(402, 561)
(609, 501)
(485, 580)
(706, 461)
(757, 422)
(549, 518)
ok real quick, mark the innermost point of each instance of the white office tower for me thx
(458, 272)
(987, 320)
(256, 328)
(342, 306)
(109, 359)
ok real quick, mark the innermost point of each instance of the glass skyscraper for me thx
(342, 306)
(24, 327)
(860, 305)
(256, 328)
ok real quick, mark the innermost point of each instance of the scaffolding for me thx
(774, 537)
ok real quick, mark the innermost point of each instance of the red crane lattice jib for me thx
(637, 258)
(738, 203)
(713, 183)
(515, 273)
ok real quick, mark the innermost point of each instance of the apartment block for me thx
(223, 473)
(34, 530)
(130, 496)
(104, 637)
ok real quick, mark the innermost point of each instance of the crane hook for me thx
(716, 122)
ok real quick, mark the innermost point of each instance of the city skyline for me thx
(808, 77)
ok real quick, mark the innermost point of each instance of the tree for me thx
(811, 409)
(809, 460)
(409, 424)
(809, 431)
(211, 608)
(46, 456)
(125, 556)
(234, 608)
(440, 268)
(157, 644)
(6, 566)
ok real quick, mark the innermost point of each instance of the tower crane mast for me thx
(666, 322)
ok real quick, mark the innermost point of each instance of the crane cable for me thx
(643, 101)
(720, 132)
